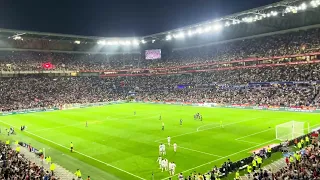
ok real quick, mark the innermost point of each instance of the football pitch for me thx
(120, 145)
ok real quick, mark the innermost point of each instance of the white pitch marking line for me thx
(205, 125)
(254, 134)
(81, 153)
(207, 129)
(238, 152)
(199, 151)
(248, 142)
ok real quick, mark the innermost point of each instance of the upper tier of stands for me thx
(300, 42)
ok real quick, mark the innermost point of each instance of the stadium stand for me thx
(229, 85)
(278, 70)
(15, 166)
(300, 42)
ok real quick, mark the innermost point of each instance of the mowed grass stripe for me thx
(124, 171)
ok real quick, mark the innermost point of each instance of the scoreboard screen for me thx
(153, 54)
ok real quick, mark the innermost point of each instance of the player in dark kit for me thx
(181, 121)
(160, 117)
(71, 147)
(134, 113)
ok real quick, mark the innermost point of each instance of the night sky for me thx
(115, 18)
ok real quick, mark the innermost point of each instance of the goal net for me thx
(289, 130)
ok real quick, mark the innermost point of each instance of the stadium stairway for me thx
(271, 168)
(59, 172)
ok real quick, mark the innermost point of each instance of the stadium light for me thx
(315, 3)
(135, 42)
(127, 43)
(274, 13)
(122, 42)
(292, 9)
(217, 27)
(234, 22)
(179, 35)
(247, 19)
(207, 29)
(303, 6)
(227, 24)
(77, 42)
(168, 37)
(101, 42)
(199, 30)
(17, 38)
(143, 41)
(190, 33)
(153, 41)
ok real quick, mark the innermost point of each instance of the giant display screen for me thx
(153, 54)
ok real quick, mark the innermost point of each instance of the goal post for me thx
(290, 130)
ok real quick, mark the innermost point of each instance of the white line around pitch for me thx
(238, 152)
(214, 127)
(250, 142)
(230, 155)
(80, 153)
(254, 133)
(199, 151)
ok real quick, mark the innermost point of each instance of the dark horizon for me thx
(115, 19)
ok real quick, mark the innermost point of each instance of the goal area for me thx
(290, 130)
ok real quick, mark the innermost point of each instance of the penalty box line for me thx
(192, 132)
(107, 164)
(259, 132)
(238, 152)
(228, 156)
(210, 154)
(199, 151)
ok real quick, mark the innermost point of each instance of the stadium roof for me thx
(50, 36)
(246, 17)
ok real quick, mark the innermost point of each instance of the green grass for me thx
(119, 145)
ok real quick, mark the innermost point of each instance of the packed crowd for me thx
(303, 165)
(32, 92)
(39, 91)
(294, 85)
(15, 166)
(276, 45)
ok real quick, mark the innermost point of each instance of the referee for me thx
(71, 147)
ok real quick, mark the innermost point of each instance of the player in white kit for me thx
(166, 165)
(169, 139)
(172, 168)
(159, 160)
(160, 149)
(164, 149)
(175, 147)
(163, 165)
